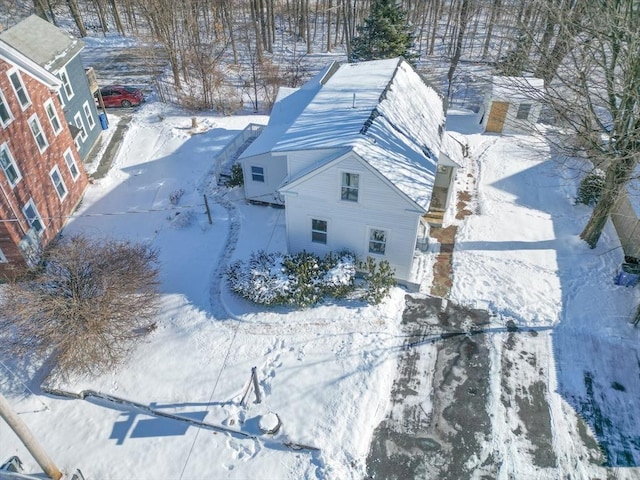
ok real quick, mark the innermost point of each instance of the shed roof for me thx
(517, 88)
(42, 42)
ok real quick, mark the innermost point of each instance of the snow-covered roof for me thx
(288, 106)
(14, 57)
(42, 42)
(517, 88)
(385, 113)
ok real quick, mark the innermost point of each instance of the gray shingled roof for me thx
(42, 42)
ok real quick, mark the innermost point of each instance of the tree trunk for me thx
(77, 18)
(115, 13)
(618, 174)
(464, 18)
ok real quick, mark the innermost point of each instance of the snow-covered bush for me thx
(183, 219)
(379, 278)
(590, 188)
(175, 196)
(262, 279)
(301, 279)
(340, 272)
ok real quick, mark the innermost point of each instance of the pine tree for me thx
(385, 34)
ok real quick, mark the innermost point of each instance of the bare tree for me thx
(596, 95)
(84, 305)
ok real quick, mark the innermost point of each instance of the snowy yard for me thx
(327, 372)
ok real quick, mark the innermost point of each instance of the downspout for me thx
(12, 209)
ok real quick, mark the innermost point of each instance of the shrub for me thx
(84, 304)
(379, 278)
(236, 179)
(182, 219)
(175, 196)
(302, 279)
(590, 188)
(262, 280)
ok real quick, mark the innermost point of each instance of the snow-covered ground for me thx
(326, 371)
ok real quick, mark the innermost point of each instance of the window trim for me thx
(32, 204)
(66, 85)
(55, 170)
(41, 130)
(522, 109)
(5, 147)
(83, 132)
(88, 115)
(3, 101)
(256, 175)
(73, 163)
(346, 188)
(49, 104)
(317, 231)
(22, 87)
(371, 240)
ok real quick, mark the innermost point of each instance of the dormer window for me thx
(350, 186)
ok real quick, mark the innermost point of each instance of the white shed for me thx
(512, 105)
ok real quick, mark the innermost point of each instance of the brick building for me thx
(42, 178)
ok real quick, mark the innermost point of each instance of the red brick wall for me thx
(34, 166)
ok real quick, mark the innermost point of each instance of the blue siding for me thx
(81, 94)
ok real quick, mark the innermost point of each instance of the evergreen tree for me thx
(385, 34)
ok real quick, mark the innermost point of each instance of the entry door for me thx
(497, 115)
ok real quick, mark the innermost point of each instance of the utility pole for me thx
(22, 431)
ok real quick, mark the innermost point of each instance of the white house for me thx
(355, 156)
(512, 105)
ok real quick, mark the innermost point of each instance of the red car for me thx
(121, 96)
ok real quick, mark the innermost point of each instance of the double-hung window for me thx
(38, 134)
(58, 182)
(19, 89)
(80, 124)
(66, 84)
(377, 241)
(318, 231)
(71, 163)
(257, 174)
(88, 115)
(54, 120)
(9, 165)
(33, 217)
(6, 117)
(350, 186)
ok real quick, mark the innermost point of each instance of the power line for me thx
(106, 214)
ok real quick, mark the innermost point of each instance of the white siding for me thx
(379, 206)
(303, 159)
(511, 124)
(275, 171)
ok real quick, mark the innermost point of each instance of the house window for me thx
(66, 84)
(53, 117)
(377, 241)
(350, 182)
(58, 182)
(38, 134)
(88, 115)
(523, 111)
(3, 258)
(9, 165)
(80, 124)
(257, 174)
(6, 117)
(18, 88)
(71, 163)
(319, 231)
(33, 217)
